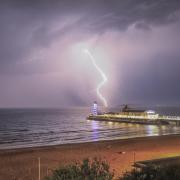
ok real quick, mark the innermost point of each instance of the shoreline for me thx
(23, 163)
(46, 147)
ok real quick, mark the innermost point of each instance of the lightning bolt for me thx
(104, 78)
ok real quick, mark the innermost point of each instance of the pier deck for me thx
(173, 120)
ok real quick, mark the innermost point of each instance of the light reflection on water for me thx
(42, 127)
(152, 130)
(128, 130)
(95, 130)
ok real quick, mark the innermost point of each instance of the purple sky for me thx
(135, 42)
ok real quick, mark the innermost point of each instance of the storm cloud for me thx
(136, 42)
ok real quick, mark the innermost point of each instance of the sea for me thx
(35, 127)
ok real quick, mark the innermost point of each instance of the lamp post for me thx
(39, 166)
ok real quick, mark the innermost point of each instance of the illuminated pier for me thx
(174, 120)
(128, 115)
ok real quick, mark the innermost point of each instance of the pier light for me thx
(95, 110)
(150, 112)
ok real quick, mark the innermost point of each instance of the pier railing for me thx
(155, 119)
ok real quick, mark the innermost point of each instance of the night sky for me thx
(135, 42)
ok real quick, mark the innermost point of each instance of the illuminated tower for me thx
(95, 110)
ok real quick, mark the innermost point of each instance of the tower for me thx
(95, 110)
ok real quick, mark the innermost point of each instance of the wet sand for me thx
(22, 164)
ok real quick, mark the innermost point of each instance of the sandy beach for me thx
(22, 164)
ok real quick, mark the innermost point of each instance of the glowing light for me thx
(95, 109)
(104, 78)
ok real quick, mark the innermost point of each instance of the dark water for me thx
(42, 127)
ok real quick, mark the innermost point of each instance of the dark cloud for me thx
(36, 34)
(27, 24)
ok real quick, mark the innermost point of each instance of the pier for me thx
(156, 120)
(131, 115)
